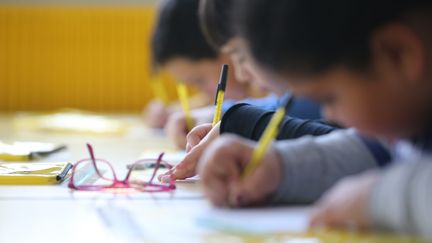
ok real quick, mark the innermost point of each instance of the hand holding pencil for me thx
(200, 136)
(237, 172)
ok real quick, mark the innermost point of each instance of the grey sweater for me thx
(311, 165)
(402, 198)
(400, 201)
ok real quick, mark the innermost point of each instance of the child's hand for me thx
(346, 204)
(198, 133)
(156, 114)
(176, 128)
(197, 141)
(222, 165)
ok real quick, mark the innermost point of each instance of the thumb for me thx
(322, 216)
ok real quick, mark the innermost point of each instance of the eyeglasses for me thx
(99, 175)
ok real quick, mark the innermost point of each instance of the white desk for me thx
(55, 214)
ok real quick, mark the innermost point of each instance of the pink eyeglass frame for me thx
(122, 184)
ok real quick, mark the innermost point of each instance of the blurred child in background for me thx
(180, 48)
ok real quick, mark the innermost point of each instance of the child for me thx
(369, 64)
(180, 48)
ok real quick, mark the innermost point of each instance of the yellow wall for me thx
(88, 57)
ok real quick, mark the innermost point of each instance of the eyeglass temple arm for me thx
(93, 159)
(156, 167)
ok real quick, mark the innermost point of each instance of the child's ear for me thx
(399, 50)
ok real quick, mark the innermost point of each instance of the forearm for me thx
(311, 165)
(250, 122)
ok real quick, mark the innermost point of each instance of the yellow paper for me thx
(33, 174)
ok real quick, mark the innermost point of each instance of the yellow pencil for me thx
(220, 94)
(184, 101)
(267, 137)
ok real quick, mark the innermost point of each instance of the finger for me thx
(212, 134)
(225, 157)
(216, 189)
(169, 172)
(177, 174)
(174, 173)
(219, 159)
(251, 190)
(186, 168)
(264, 180)
(218, 167)
(218, 195)
(327, 215)
(192, 140)
(167, 178)
(195, 136)
(188, 147)
(183, 173)
(320, 217)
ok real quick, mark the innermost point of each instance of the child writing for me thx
(369, 64)
(180, 48)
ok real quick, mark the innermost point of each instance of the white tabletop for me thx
(57, 214)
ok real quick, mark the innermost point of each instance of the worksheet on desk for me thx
(171, 221)
(256, 220)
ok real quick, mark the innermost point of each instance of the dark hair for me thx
(216, 21)
(314, 35)
(177, 33)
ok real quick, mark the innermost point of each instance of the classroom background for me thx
(91, 55)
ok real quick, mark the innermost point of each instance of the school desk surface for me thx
(56, 214)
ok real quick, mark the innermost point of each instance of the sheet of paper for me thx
(155, 221)
(257, 220)
(171, 157)
(40, 221)
(183, 220)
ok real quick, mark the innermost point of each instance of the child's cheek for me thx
(358, 117)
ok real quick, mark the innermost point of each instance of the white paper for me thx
(257, 220)
(171, 157)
